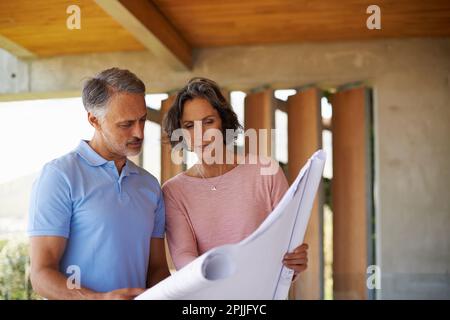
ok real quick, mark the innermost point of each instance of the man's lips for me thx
(135, 144)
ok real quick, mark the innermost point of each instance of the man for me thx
(96, 220)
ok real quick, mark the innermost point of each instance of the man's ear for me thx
(94, 121)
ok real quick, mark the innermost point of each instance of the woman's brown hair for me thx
(210, 91)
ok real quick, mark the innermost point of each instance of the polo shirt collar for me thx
(130, 167)
(94, 159)
(87, 153)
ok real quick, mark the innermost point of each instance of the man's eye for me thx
(188, 126)
(125, 125)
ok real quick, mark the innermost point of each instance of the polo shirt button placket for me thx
(123, 196)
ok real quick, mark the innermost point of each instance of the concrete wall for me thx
(411, 81)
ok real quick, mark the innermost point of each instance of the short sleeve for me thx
(50, 208)
(160, 218)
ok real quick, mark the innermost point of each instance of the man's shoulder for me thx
(63, 164)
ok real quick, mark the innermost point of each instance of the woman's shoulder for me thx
(173, 183)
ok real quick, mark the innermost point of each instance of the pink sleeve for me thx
(279, 187)
(180, 236)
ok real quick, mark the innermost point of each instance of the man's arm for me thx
(47, 281)
(158, 269)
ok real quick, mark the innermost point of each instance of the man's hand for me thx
(121, 294)
(50, 283)
(297, 260)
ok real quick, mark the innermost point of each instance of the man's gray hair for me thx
(98, 90)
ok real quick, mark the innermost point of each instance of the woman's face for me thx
(200, 112)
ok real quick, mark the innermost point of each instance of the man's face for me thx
(122, 128)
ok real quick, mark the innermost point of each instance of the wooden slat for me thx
(206, 23)
(40, 28)
(304, 138)
(154, 115)
(350, 193)
(259, 114)
(144, 21)
(168, 168)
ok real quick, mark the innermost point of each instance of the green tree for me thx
(14, 270)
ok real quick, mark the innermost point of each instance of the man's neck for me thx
(105, 153)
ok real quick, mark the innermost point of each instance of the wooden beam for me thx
(147, 24)
(15, 49)
(154, 115)
(304, 138)
(351, 193)
(260, 114)
(168, 168)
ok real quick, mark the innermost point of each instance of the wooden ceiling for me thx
(40, 27)
(206, 23)
(172, 28)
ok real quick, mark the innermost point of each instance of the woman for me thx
(216, 202)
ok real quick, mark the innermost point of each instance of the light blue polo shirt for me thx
(108, 219)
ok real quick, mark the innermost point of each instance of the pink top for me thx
(198, 218)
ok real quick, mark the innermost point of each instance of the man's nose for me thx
(138, 131)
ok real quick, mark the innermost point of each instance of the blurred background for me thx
(368, 81)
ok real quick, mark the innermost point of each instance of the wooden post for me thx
(351, 193)
(259, 114)
(168, 168)
(304, 138)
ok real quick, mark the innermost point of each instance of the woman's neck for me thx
(215, 168)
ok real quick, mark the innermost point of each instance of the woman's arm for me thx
(180, 235)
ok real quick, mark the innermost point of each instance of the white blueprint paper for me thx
(252, 268)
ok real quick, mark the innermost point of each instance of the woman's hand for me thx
(297, 260)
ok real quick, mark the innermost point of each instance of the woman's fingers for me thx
(298, 267)
(295, 262)
(302, 247)
(298, 259)
(291, 256)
